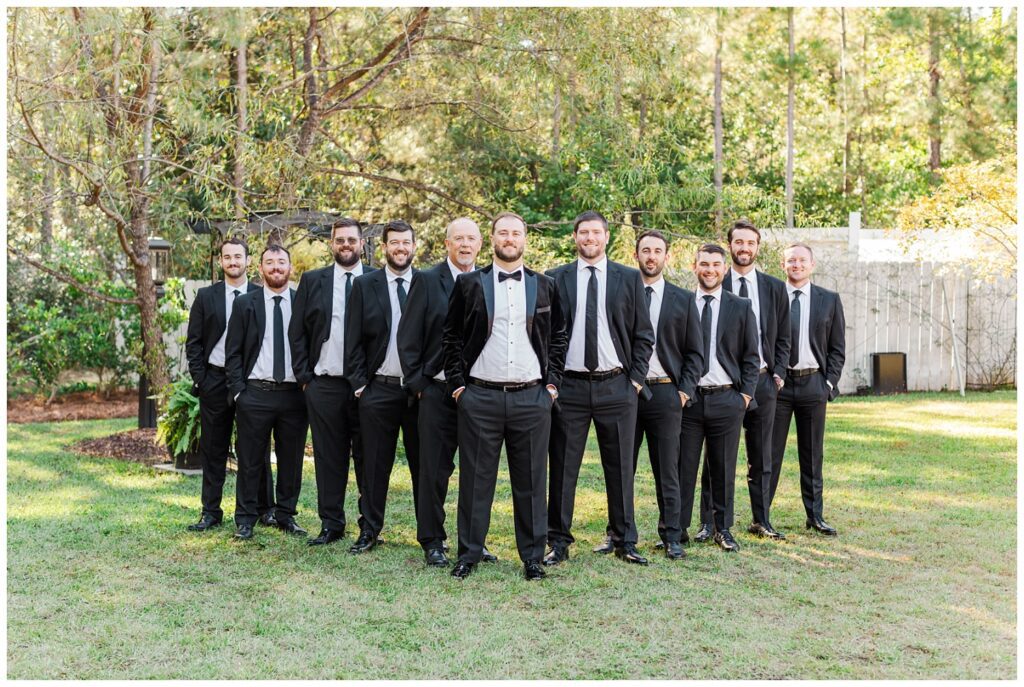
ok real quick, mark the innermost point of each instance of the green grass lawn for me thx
(104, 582)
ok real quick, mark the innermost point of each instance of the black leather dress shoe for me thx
(462, 570)
(674, 551)
(557, 554)
(724, 539)
(821, 526)
(605, 547)
(488, 557)
(291, 527)
(327, 536)
(364, 543)
(268, 519)
(244, 532)
(764, 531)
(436, 558)
(660, 544)
(703, 534)
(533, 570)
(206, 522)
(628, 553)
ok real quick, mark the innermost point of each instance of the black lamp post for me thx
(160, 263)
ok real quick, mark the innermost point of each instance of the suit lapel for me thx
(569, 276)
(447, 282)
(327, 286)
(381, 289)
(611, 292)
(530, 282)
(663, 316)
(764, 304)
(219, 289)
(487, 282)
(261, 315)
(724, 313)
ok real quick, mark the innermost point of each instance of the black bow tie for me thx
(517, 275)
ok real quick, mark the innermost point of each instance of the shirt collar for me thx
(751, 276)
(242, 288)
(392, 276)
(498, 271)
(601, 265)
(658, 286)
(717, 293)
(454, 269)
(357, 270)
(805, 289)
(269, 295)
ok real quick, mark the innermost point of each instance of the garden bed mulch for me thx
(135, 445)
(82, 405)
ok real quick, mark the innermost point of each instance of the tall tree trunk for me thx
(637, 219)
(310, 93)
(718, 120)
(934, 100)
(790, 113)
(241, 116)
(847, 134)
(862, 181)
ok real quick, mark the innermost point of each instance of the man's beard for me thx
(651, 273)
(589, 252)
(393, 263)
(743, 260)
(711, 287)
(275, 280)
(234, 272)
(517, 252)
(347, 258)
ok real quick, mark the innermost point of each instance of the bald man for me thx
(420, 353)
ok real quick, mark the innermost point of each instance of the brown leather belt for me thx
(497, 386)
(658, 380)
(708, 390)
(803, 373)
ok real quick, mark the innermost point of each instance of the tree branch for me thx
(423, 188)
(69, 280)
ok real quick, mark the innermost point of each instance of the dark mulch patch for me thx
(82, 405)
(135, 445)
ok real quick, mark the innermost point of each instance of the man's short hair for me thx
(743, 223)
(342, 222)
(797, 244)
(712, 248)
(651, 234)
(589, 216)
(275, 248)
(505, 215)
(397, 226)
(234, 241)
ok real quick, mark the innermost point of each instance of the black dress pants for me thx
(438, 432)
(334, 422)
(659, 418)
(806, 398)
(757, 433)
(522, 420)
(384, 409)
(216, 417)
(611, 404)
(263, 413)
(711, 423)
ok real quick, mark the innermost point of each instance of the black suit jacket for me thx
(368, 325)
(680, 345)
(421, 331)
(827, 329)
(736, 343)
(310, 326)
(773, 302)
(629, 321)
(245, 336)
(206, 322)
(471, 316)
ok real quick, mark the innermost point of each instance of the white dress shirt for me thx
(507, 356)
(806, 359)
(217, 354)
(455, 275)
(657, 298)
(716, 375)
(755, 302)
(264, 368)
(332, 353)
(391, 366)
(607, 358)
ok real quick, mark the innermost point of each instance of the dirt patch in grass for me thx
(135, 445)
(81, 405)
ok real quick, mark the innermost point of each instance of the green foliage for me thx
(178, 426)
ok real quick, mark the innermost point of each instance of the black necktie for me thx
(401, 293)
(517, 275)
(590, 330)
(348, 285)
(705, 330)
(235, 293)
(278, 340)
(648, 290)
(794, 329)
(743, 288)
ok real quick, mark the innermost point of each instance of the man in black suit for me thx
(317, 337)
(676, 364)
(421, 353)
(818, 333)
(504, 343)
(610, 345)
(725, 391)
(204, 349)
(767, 296)
(262, 385)
(375, 309)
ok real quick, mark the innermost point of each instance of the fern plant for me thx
(178, 426)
